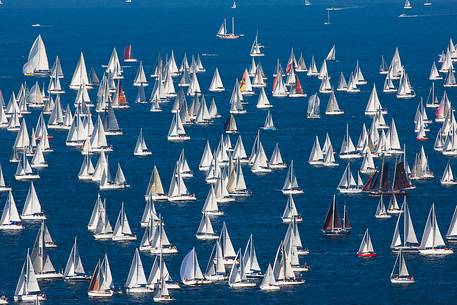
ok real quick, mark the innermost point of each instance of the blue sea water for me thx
(363, 31)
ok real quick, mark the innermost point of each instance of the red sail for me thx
(127, 52)
(289, 66)
(385, 178)
(121, 98)
(275, 83)
(401, 178)
(95, 282)
(298, 87)
(332, 220)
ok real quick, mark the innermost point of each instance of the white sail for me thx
(37, 60)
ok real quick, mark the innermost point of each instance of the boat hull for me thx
(439, 251)
(29, 298)
(101, 294)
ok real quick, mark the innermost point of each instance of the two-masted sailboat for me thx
(333, 224)
(222, 32)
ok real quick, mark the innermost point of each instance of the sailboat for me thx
(290, 212)
(178, 190)
(348, 150)
(190, 272)
(366, 247)
(276, 162)
(10, 219)
(101, 284)
(331, 56)
(282, 268)
(347, 184)
(333, 225)
(74, 270)
(136, 280)
(44, 269)
(140, 148)
(161, 289)
(269, 282)
(37, 62)
(448, 177)
(290, 184)
(216, 82)
(250, 262)
(215, 270)
(451, 234)
(400, 273)
(432, 241)
(381, 209)
(24, 170)
(316, 157)
(205, 230)
(155, 189)
(407, 5)
(177, 132)
(256, 47)
(128, 54)
(428, 3)
(233, 5)
(222, 32)
(27, 289)
(32, 207)
(409, 242)
(237, 277)
(158, 272)
(122, 231)
(332, 105)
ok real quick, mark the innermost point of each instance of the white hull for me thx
(294, 95)
(291, 282)
(103, 236)
(77, 278)
(178, 139)
(215, 278)
(157, 197)
(436, 251)
(139, 290)
(5, 189)
(292, 192)
(26, 177)
(384, 216)
(182, 198)
(29, 298)
(33, 217)
(398, 280)
(162, 299)
(350, 156)
(278, 166)
(289, 219)
(142, 154)
(12, 227)
(269, 287)
(49, 276)
(242, 285)
(349, 191)
(168, 250)
(100, 294)
(124, 238)
(207, 236)
(41, 165)
(196, 282)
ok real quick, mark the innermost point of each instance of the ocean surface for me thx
(361, 31)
